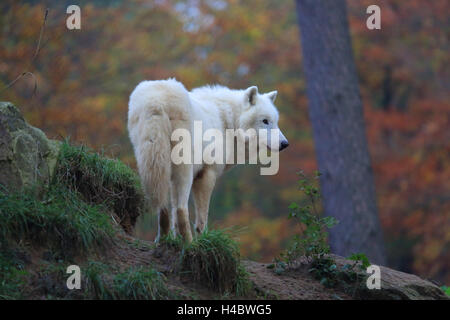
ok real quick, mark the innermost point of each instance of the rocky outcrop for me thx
(27, 157)
(397, 285)
(298, 284)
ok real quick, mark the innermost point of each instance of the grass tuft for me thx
(96, 281)
(60, 220)
(213, 260)
(101, 181)
(172, 242)
(139, 283)
(12, 277)
(135, 283)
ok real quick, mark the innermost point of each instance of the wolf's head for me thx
(259, 112)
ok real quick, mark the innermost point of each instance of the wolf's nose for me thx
(284, 145)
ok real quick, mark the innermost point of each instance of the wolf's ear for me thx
(272, 95)
(250, 94)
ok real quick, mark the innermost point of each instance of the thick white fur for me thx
(156, 109)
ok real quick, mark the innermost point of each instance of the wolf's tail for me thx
(150, 134)
(155, 164)
(150, 130)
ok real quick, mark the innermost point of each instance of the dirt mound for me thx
(85, 205)
(130, 253)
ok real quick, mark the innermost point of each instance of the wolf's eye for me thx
(265, 121)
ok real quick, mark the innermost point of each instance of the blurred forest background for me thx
(84, 78)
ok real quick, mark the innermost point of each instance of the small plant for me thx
(446, 290)
(361, 260)
(312, 243)
(347, 277)
(325, 270)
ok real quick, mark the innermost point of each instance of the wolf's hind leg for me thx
(181, 188)
(202, 189)
(163, 223)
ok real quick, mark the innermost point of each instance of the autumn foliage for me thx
(83, 79)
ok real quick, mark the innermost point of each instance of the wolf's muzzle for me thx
(284, 145)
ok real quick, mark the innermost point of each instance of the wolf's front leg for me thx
(202, 188)
(181, 188)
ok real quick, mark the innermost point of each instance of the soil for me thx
(295, 283)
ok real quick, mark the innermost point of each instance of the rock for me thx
(397, 285)
(296, 282)
(27, 157)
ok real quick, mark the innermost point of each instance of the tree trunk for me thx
(336, 113)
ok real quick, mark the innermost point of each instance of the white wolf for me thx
(156, 110)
